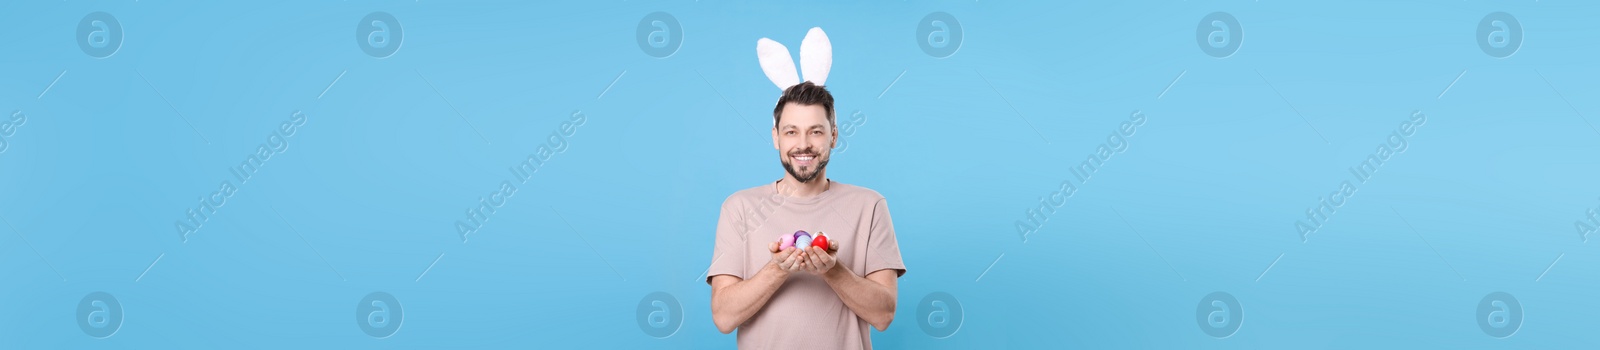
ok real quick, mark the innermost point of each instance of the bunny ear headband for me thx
(816, 58)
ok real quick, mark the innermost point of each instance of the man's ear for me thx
(835, 140)
(775, 139)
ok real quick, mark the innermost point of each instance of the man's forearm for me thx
(733, 304)
(872, 301)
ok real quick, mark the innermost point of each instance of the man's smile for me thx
(804, 160)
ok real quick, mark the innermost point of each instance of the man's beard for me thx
(822, 163)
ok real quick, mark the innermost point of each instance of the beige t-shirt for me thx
(805, 313)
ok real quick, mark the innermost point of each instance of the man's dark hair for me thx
(806, 94)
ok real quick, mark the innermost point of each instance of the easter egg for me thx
(821, 241)
(786, 242)
(803, 241)
(801, 234)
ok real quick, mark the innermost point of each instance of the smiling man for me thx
(804, 297)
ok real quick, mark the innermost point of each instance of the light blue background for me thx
(1235, 149)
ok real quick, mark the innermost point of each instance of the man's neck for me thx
(794, 188)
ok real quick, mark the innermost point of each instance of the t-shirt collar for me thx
(813, 199)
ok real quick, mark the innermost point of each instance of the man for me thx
(804, 297)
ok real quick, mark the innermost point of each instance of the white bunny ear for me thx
(775, 61)
(816, 56)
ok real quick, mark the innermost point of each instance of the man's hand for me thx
(872, 298)
(734, 300)
(787, 260)
(818, 261)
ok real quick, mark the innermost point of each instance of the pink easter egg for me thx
(786, 242)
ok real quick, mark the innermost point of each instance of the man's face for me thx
(804, 139)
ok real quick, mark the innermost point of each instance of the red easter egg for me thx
(821, 241)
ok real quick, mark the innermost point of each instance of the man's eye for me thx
(791, 132)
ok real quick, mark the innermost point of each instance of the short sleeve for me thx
(883, 249)
(728, 256)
